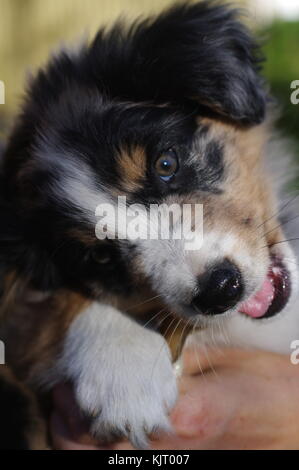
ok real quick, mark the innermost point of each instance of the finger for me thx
(198, 360)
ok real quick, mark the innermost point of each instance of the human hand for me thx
(240, 400)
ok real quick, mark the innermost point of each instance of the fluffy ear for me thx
(202, 52)
(195, 52)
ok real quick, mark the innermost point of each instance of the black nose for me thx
(220, 289)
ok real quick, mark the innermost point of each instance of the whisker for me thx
(174, 330)
(212, 335)
(281, 241)
(279, 211)
(184, 329)
(196, 351)
(155, 316)
(181, 339)
(163, 346)
(223, 331)
(294, 261)
(281, 225)
(144, 302)
(210, 364)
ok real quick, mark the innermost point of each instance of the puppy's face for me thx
(122, 150)
(244, 265)
(182, 124)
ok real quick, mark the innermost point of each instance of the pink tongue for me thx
(257, 306)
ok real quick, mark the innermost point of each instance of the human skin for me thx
(229, 399)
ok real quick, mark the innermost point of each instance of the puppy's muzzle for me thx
(220, 289)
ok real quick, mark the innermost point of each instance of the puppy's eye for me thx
(167, 165)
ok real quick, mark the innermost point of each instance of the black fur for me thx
(20, 415)
(198, 52)
(140, 86)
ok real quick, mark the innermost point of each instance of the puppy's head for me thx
(171, 111)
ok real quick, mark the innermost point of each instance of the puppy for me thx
(171, 110)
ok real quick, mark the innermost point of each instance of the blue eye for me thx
(167, 165)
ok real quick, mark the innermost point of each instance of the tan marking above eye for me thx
(132, 168)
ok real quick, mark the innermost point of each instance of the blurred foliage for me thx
(31, 29)
(281, 68)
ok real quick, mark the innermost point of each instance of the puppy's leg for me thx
(122, 374)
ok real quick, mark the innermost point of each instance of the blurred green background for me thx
(31, 29)
(281, 68)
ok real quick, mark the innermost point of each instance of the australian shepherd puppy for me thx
(171, 110)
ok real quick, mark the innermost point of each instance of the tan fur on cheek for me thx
(132, 169)
(246, 201)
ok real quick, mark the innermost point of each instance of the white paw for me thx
(124, 381)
